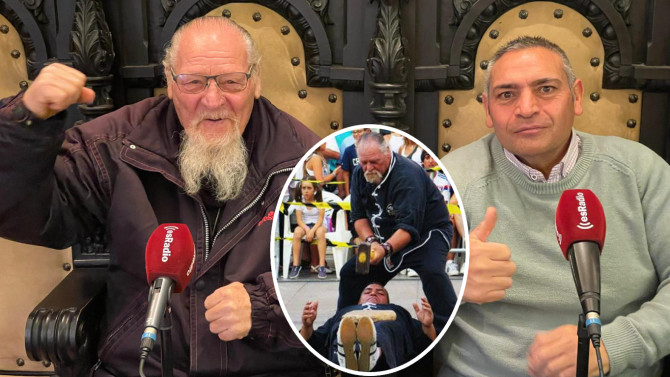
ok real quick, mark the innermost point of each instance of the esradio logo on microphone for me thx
(167, 243)
(583, 213)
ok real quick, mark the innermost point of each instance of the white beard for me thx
(374, 177)
(220, 163)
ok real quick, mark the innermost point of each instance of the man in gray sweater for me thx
(521, 308)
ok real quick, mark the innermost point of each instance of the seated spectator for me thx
(370, 345)
(438, 176)
(310, 226)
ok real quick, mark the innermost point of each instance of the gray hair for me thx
(253, 55)
(374, 137)
(522, 43)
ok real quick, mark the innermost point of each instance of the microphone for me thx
(169, 259)
(580, 230)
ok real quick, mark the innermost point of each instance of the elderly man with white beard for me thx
(398, 209)
(213, 155)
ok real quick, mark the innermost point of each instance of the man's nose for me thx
(213, 96)
(526, 104)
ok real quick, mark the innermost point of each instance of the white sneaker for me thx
(315, 269)
(411, 273)
(452, 269)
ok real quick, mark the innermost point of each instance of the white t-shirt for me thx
(310, 215)
(395, 142)
(414, 156)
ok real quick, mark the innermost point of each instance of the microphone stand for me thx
(582, 348)
(166, 343)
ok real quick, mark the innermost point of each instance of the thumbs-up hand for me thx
(491, 269)
(56, 88)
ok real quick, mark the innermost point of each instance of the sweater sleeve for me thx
(269, 327)
(640, 339)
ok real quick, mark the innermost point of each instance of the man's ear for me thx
(485, 103)
(257, 78)
(578, 94)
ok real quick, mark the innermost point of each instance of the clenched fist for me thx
(554, 354)
(229, 312)
(56, 88)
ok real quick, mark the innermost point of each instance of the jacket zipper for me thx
(204, 217)
(237, 216)
(95, 368)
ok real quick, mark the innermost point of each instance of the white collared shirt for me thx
(559, 171)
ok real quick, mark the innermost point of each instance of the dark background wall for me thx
(390, 57)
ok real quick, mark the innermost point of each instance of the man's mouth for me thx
(213, 119)
(529, 129)
(213, 122)
(373, 177)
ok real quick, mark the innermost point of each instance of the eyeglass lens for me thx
(227, 82)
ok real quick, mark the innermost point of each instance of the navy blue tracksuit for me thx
(400, 340)
(405, 199)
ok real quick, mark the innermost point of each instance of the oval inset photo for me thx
(369, 254)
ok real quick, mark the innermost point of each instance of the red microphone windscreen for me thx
(579, 217)
(170, 253)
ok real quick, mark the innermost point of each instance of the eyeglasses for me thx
(227, 82)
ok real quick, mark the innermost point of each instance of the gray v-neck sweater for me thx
(633, 185)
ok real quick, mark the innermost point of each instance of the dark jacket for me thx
(406, 198)
(400, 340)
(118, 173)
